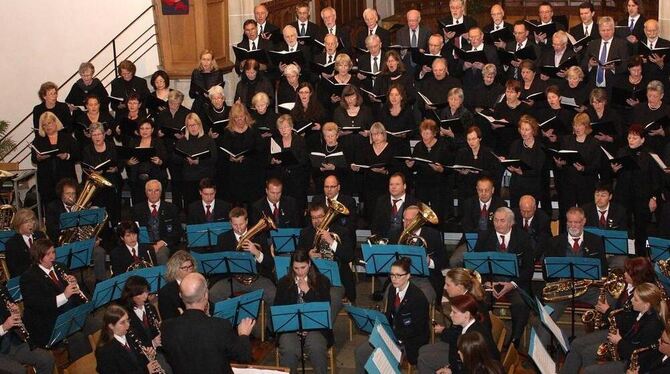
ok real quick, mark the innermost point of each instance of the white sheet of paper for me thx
(552, 326)
(381, 362)
(395, 350)
(658, 160)
(540, 355)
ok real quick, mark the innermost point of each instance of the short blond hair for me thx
(49, 116)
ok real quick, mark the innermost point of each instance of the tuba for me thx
(335, 208)
(425, 215)
(614, 285)
(75, 234)
(263, 224)
(7, 212)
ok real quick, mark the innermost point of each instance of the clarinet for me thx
(151, 356)
(66, 277)
(20, 330)
(152, 317)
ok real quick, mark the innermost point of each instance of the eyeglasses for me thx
(187, 267)
(396, 276)
(664, 341)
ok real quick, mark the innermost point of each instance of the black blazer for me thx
(113, 358)
(640, 334)
(263, 44)
(121, 258)
(638, 29)
(289, 216)
(345, 249)
(383, 223)
(383, 34)
(618, 49)
(617, 219)
(145, 333)
(468, 21)
(196, 343)
(53, 169)
(410, 322)
(539, 230)
(592, 247)
(169, 224)
(472, 212)
(228, 242)
(196, 212)
(17, 253)
(450, 335)
(169, 301)
(343, 38)
(520, 245)
(312, 29)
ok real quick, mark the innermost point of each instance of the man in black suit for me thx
(586, 26)
(471, 72)
(282, 209)
(497, 23)
(605, 213)
(546, 16)
(535, 222)
(387, 219)
(331, 190)
(436, 85)
(329, 17)
(521, 41)
(555, 56)
(607, 48)
(371, 61)
(14, 352)
(161, 219)
(508, 238)
(327, 56)
(209, 208)
(655, 66)
(371, 19)
(305, 27)
(477, 215)
(266, 30)
(291, 44)
(631, 28)
(252, 41)
(457, 16)
(412, 35)
(130, 251)
(197, 343)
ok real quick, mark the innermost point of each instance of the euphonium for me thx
(335, 208)
(263, 224)
(562, 290)
(425, 215)
(635, 357)
(614, 285)
(91, 186)
(7, 212)
(608, 351)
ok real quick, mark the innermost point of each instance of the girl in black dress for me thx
(511, 109)
(394, 71)
(205, 76)
(607, 127)
(474, 352)
(294, 174)
(139, 172)
(626, 85)
(128, 118)
(396, 115)
(93, 114)
(100, 156)
(307, 110)
(195, 168)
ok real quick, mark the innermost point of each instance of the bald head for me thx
(193, 291)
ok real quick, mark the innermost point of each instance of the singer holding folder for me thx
(196, 152)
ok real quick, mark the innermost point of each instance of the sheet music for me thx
(389, 342)
(274, 147)
(256, 371)
(551, 325)
(658, 160)
(381, 362)
(540, 355)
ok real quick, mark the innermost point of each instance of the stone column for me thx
(664, 18)
(238, 12)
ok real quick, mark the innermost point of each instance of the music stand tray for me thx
(76, 255)
(381, 362)
(383, 337)
(154, 275)
(238, 308)
(226, 262)
(285, 240)
(14, 288)
(470, 240)
(365, 318)
(615, 241)
(4, 236)
(205, 234)
(86, 217)
(143, 237)
(69, 322)
(379, 258)
(108, 290)
(659, 248)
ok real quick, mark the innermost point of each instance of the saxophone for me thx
(635, 357)
(608, 351)
(614, 285)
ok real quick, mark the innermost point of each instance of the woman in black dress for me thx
(288, 85)
(478, 156)
(292, 171)
(126, 84)
(574, 87)
(327, 92)
(87, 85)
(531, 83)
(217, 113)
(629, 90)
(510, 109)
(653, 110)
(394, 71)
(431, 184)
(244, 173)
(253, 81)
(129, 118)
(607, 127)
(330, 144)
(396, 115)
(304, 284)
(100, 156)
(455, 110)
(48, 94)
(93, 114)
(194, 169)
(158, 100)
(529, 150)
(487, 95)
(308, 110)
(264, 118)
(204, 77)
(57, 165)
(139, 172)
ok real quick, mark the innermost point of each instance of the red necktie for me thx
(525, 224)
(134, 252)
(394, 208)
(208, 213)
(603, 221)
(396, 302)
(575, 245)
(503, 247)
(484, 213)
(145, 320)
(126, 347)
(154, 211)
(30, 241)
(275, 211)
(54, 279)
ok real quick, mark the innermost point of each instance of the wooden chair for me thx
(331, 360)
(84, 365)
(498, 331)
(94, 339)
(512, 362)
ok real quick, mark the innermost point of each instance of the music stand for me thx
(4, 236)
(384, 338)
(69, 322)
(143, 236)
(300, 318)
(470, 240)
(285, 240)
(86, 217)
(381, 362)
(614, 241)
(14, 288)
(238, 308)
(108, 290)
(378, 258)
(573, 268)
(226, 262)
(77, 256)
(365, 318)
(659, 248)
(205, 234)
(154, 275)
(492, 263)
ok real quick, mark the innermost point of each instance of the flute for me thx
(71, 280)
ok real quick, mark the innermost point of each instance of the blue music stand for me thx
(238, 308)
(300, 318)
(379, 258)
(69, 322)
(470, 240)
(573, 268)
(108, 290)
(205, 234)
(4, 236)
(285, 240)
(154, 275)
(76, 255)
(492, 263)
(330, 269)
(86, 217)
(226, 263)
(365, 318)
(143, 237)
(615, 241)
(383, 337)
(659, 248)
(381, 362)
(14, 288)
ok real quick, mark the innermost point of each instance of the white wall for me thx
(46, 41)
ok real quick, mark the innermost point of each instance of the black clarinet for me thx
(151, 356)
(20, 330)
(152, 317)
(65, 277)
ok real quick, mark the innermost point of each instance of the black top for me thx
(114, 358)
(206, 166)
(246, 89)
(17, 254)
(121, 258)
(410, 322)
(53, 169)
(61, 110)
(122, 89)
(485, 160)
(363, 119)
(79, 91)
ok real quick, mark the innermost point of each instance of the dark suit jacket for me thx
(651, 71)
(196, 343)
(404, 36)
(345, 249)
(289, 217)
(349, 221)
(145, 333)
(471, 212)
(365, 64)
(651, 362)
(196, 212)
(263, 44)
(227, 242)
(519, 244)
(113, 358)
(547, 58)
(450, 335)
(383, 34)
(511, 46)
(18, 254)
(539, 230)
(52, 218)
(468, 21)
(645, 333)
(617, 219)
(489, 27)
(638, 30)
(591, 247)
(169, 301)
(618, 49)
(306, 55)
(121, 258)
(410, 321)
(312, 29)
(474, 76)
(344, 39)
(169, 225)
(383, 223)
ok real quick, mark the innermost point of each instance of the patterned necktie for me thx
(330, 59)
(586, 31)
(370, 32)
(632, 24)
(154, 211)
(503, 247)
(394, 207)
(330, 31)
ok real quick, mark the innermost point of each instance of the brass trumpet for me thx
(263, 224)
